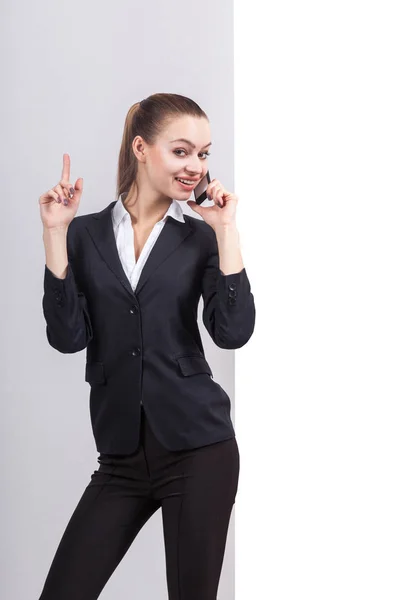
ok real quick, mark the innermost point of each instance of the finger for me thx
(68, 190)
(214, 192)
(73, 194)
(78, 189)
(60, 191)
(48, 197)
(217, 194)
(55, 196)
(65, 174)
(210, 187)
(196, 207)
(218, 201)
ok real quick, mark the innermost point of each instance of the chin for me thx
(182, 195)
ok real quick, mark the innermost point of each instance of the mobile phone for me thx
(200, 189)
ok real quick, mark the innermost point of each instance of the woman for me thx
(125, 284)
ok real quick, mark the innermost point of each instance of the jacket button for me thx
(231, 300)
(233, 293)
(232, 286)
(136, 352)
(133, 310)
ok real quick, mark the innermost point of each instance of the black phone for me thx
(200, 189)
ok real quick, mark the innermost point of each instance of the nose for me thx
(194, 173)
(195, 169)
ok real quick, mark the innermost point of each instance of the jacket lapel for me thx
(100, 228)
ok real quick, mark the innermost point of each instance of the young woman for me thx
(125, 284)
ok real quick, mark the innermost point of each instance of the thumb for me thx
(194, 206)
(79, 185)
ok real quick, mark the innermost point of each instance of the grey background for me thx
(70, 72)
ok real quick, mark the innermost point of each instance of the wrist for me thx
(55, 231)
(226, 229)
(227, 234)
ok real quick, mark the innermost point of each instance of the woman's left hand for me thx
(223, 212)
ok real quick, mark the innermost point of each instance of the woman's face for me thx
(168, 159)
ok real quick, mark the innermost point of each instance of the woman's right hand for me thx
(58, 206)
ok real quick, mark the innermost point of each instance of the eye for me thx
(207, 154)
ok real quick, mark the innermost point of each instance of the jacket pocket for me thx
(94, 372)
(190, 365)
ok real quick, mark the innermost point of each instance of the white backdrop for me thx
(317, 154)
(70, 72)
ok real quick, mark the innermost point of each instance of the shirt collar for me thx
(119, 211)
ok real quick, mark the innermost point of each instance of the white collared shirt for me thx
(124, 237)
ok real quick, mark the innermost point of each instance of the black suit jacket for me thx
(145, 346)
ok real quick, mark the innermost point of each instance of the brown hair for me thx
(147, 119)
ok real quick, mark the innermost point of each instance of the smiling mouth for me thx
(186, 185)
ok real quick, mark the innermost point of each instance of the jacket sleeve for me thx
(229, 310)
(68, 325)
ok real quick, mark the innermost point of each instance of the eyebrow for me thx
(189, 142)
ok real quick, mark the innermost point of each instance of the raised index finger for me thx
(65, 175)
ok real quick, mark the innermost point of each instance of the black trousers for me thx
(196, 491)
